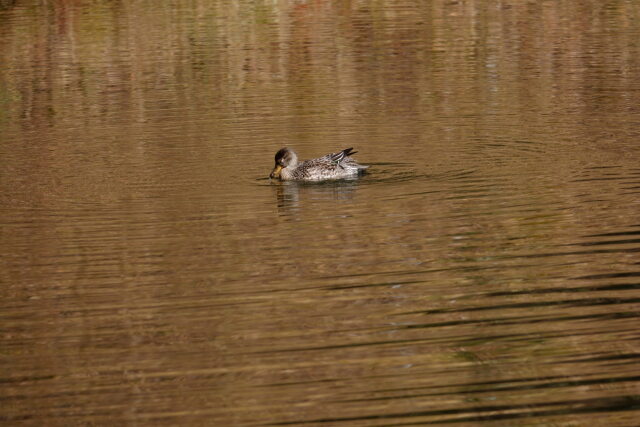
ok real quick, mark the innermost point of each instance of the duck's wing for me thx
(344, 159)
(331, 166)
(339, 156)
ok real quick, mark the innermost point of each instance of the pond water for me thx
(486, 271)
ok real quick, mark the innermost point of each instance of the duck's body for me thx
(332, 166)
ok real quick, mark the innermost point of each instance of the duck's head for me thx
(285, 157)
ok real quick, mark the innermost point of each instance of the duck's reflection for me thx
(291, 195)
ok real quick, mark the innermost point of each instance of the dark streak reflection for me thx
(497, 388)
(617, 403)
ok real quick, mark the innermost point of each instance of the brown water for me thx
(485, 272)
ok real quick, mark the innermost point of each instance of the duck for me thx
(338, 165)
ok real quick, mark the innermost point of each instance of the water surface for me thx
(485, 272)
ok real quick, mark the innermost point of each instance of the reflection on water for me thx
(485, 271)
(288, 194)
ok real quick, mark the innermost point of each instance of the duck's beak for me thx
(275, 173)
